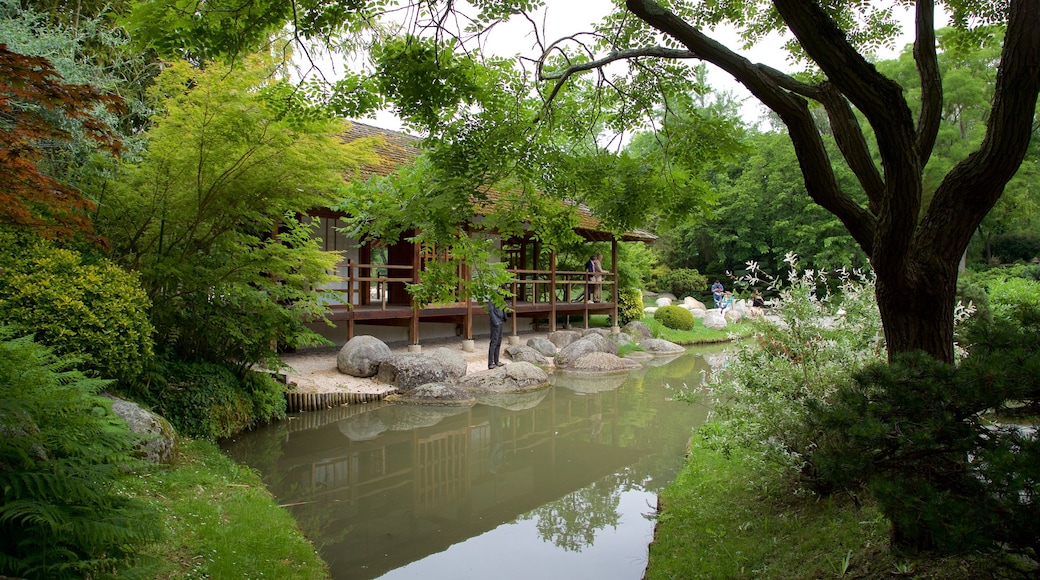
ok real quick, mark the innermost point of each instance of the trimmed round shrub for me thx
(80, 306)
(630, 306)
(674, 317)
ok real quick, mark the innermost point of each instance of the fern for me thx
(62, 455)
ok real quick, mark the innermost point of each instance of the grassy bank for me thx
(723, 518)
(222, 523)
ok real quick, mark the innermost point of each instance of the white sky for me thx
(565, 17)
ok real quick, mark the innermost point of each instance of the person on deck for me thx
(497, 317)
(597, 278)
(590, 267)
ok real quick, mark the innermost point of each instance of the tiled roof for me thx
(398, 149)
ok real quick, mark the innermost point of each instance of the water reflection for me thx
(563, 477)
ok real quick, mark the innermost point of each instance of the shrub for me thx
(62, 455)
(94, 311)
(1014, 247)
(683, 282)
(630, 306)
(761, 400)
(912, 431)
(211, 401)
(675, 317)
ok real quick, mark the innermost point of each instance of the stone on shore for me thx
(407, 371)
(361, 356)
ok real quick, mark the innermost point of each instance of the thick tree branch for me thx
(881, 101)
(931, 82)
(853, 145)
(971, 189)
(768, 86)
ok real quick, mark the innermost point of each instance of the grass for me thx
(726, 517)
(700, 334)
(222, 523)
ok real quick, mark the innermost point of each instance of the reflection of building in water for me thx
(410, 482)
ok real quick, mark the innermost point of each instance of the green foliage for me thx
(1016, 246)
(914, 433)
(80, 305)
(761, 401)
(630, 305)
(674, 317)
(223, 286)
(63, 454)
(683, 282)
(210, 400)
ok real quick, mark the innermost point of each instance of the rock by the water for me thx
(733, 315)
(656, 346)
(603, 344)
(361, 356)
(601, 362)
(575, 350)
(638, 329)
(562, 338)
(514, 377)
(663, 301)
(435, 394)
(543, 346)
(407, 371)
(524, 353)
(452, 360)
(156, 438)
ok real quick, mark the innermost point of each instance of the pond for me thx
(561, 483)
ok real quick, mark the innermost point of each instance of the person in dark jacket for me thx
(497, 316)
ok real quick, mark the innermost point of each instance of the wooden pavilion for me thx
(373, 275)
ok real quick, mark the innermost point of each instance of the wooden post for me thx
(614, 272)
(552, 291)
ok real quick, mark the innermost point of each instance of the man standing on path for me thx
(497, 316)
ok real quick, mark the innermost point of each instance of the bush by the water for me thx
(210, 400)
(674, 317)
(630, 306)
(62, 455)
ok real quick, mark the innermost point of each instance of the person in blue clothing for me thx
(716, 293)
(497, 316)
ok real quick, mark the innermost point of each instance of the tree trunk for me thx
(917, 311)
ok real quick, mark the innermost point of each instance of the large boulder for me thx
(602, 342)
(714, 320)
(562, 338)
(543, 346)
(575, 350)
(657, 346)
(732, 315)
(452, 360)
(524, 353)
(361, 356)
(602, 362)
(407, 371)
(638, 329)
(434, 394)
(155, 437)
(663, 301)
(691, 303)
(512, 378)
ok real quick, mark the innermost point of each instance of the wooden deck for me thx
(375, 295)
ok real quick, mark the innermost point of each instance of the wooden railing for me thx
(536, 286)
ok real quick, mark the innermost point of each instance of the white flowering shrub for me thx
(822, 327)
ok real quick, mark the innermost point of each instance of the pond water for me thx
(561, 483)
